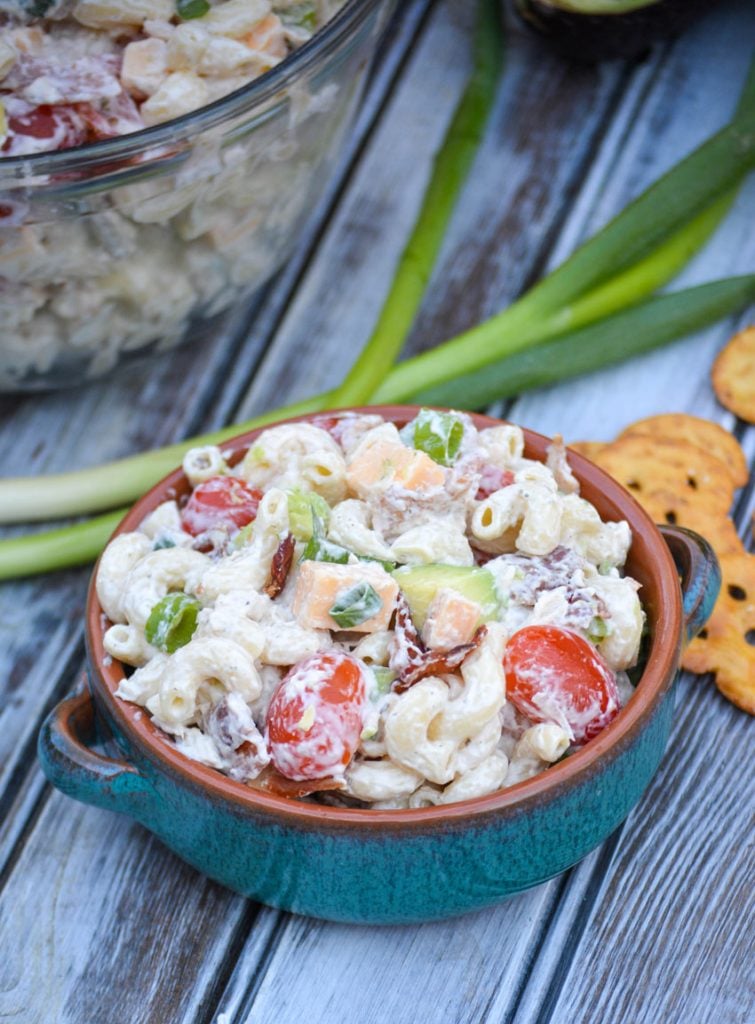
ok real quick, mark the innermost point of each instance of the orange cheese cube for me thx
(320, 584)
(451, 619)
(384, 463)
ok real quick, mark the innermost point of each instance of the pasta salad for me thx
(374, 616)
(76, 71)
(114, 257)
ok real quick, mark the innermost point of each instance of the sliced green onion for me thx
(302, 15)
(243, 537)
(172, 622)
(437, 434)
(320, 549)
(383, 680)
(162, 543)
(450, 170)
(388, 566)
(303, 506)
(356, 605)
(190, 9)
(598, 629)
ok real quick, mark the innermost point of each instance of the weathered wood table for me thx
(99, 924)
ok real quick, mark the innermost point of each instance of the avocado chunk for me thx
(420, 583)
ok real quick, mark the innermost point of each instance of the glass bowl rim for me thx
(342, 25)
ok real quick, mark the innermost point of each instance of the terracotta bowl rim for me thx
(660, 671)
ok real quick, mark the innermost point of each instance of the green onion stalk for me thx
(450, 170)
(628, 333)
(705, 178)
(611, 273)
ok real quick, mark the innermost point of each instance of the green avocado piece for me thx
(420, 583)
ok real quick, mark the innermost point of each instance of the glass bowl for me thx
(120, 247)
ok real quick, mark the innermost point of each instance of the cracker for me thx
(726, 646)
(733, 375)
(684, 471)
(590, 449)
(711, 437)
(668, 478)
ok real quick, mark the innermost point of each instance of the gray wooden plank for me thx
(446, 970)
(100, 922)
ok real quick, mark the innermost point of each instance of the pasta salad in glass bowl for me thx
(158, 159)
(375, 615)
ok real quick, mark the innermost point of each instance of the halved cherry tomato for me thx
(492, 479)
(222, 502)
(314, 720)
(554, 675)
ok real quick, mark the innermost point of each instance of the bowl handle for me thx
(700, 575)
(72, 766)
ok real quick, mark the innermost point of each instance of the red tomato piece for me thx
(492, 479)
(327, 423)
(554, 675)
(40, 123)
(63, 125)
(314, 720)
(220, 503)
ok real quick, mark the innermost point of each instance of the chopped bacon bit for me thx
(435, 663)
(271, 781)
(557, 461)
(493, 479)
(481, 557)
(336, 425)
(406, 647)
(231, 725)
(408, 657)
(327, 423)
(280, 566)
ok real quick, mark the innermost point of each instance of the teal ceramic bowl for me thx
(392, 866)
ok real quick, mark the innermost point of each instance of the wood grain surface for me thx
(98, 922)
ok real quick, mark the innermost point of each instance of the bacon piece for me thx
(271, 781)
(406, 647)
(481, 557)
(492, 479)
(231, 725)
(435, 663)
(557, 462)
(280, 566)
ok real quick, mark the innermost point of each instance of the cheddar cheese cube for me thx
(320, 585)
(384, 463)
(451, 619)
